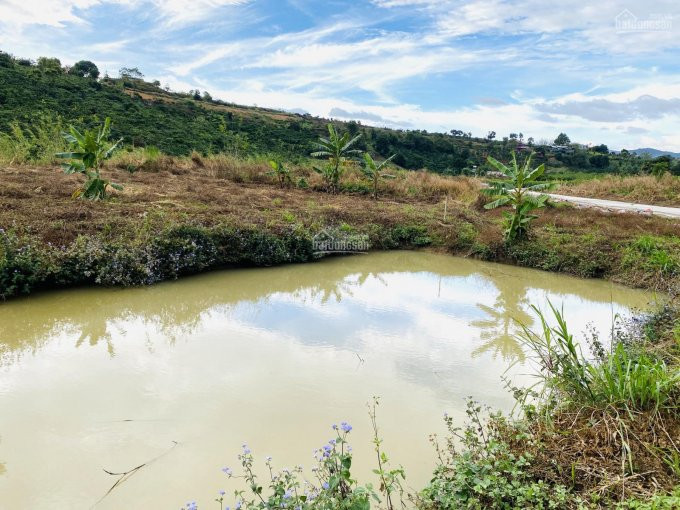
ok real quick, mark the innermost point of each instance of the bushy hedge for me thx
(167, 253)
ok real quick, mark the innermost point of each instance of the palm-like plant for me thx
(90, 150)
(374, 171)
(337, 149)
(520, 191)
(282, 173)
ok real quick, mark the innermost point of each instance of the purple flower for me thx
(325, 485)
(345, 426)
(335, 427)
(221, 493)
(226, 471)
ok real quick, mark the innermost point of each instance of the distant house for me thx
(560, 148)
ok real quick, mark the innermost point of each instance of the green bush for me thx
(486, 473)
(151, 257)
(21, 266)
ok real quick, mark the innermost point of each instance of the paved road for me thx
(618, 207)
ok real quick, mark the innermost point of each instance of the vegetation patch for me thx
(599, 431)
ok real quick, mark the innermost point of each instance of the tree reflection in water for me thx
(174, 310)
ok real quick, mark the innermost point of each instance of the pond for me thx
(182, 373)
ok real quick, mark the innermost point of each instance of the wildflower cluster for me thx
(333, 489)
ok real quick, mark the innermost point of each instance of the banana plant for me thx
(281, 172)
(374, 171)
(521, 192)
(337, 149)
(89, 151)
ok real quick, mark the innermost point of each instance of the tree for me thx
(49, 65)
(84, 69)
(337, 149)
(562, 139)
(130, 72)
(659, 168)
(519, 193)
(90, 150)
(491, 135)
(602, 149)
(513, 136)
(530, 141)
(600, 161)
(374, 171)
(6, 59)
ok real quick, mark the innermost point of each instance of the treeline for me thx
(145, 114)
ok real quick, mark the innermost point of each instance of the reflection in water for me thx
(499, 329)
(94, 379)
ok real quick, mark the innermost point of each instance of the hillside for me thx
(34, 97)
(655, 153)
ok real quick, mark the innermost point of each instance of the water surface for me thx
(108, 379)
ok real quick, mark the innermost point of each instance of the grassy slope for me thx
(177, 124)
(146, 115)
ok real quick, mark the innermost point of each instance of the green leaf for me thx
(498, 203)
(69, 155)
(499, 166)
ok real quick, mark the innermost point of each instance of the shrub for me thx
(21, 267)
(485, 471)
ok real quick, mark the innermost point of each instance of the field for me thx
(642, 189)
(189, 200)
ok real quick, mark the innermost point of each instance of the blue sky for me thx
(525, 66)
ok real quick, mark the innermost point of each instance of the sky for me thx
(603, 72)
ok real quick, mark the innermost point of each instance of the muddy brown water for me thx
(108, 379)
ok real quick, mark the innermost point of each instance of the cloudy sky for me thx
(526, 66)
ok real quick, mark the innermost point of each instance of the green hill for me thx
(178, 123)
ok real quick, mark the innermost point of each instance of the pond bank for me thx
(164, 226)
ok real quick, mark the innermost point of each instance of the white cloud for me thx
(594, 23)
(40, 12)
(59, 13)
(180, 12)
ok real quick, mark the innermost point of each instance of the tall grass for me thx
(640, 188)
(35, 144)
(421, 185)
(627, 377)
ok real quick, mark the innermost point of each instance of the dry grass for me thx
(592, 452)
(38, 199)
(644, 189)
(421, 185)
(224, 190)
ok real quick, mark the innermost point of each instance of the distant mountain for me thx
(655, 153)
